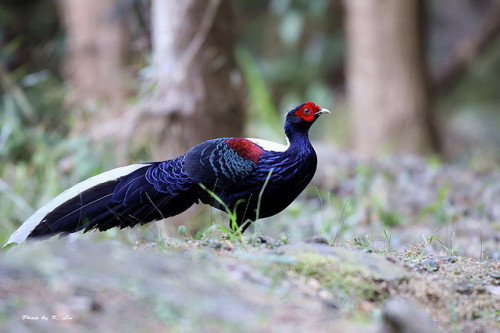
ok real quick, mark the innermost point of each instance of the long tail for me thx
(122, 197)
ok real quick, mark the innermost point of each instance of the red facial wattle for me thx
(307, 111)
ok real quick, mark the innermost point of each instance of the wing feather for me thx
(222, 163)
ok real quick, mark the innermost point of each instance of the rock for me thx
(227, 246)
(494, 274)
(245, 272)
(399, 315)
(261, 239)
(318, 240)
(328, 299)
(463, 288)
(370, 265)
(429, 265)
(449, 259)
(366, 306)
(493, 290)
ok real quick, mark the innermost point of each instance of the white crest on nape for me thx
(30, 224)
(270, 145)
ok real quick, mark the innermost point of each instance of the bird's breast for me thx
(288, 174)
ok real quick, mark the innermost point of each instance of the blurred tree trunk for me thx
(387, 77)
(94, 65)
(198, 85)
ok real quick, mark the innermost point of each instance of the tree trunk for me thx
(387, 77)
(198, 86)
(94, 65)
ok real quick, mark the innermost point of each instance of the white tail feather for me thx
(30, 224)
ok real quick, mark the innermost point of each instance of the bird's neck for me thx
(299, 142)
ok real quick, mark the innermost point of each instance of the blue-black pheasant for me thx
(233, 169)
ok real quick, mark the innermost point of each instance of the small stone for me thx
(448, 259)
(494, 290)
(212, 243)
(481, 290)
(392, 259)
(327, 298)
(314, 284)
(228, 246)
(410, 265)
(429, 265)
(463, 288)
(263, 239)
(318, 240)
(366, 306)
(494, 274)
(401, 315)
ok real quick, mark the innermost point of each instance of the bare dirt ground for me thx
(221, 286)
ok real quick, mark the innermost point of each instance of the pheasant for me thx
(254, 178)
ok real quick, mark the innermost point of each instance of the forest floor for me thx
(394, 245)
(222, 286)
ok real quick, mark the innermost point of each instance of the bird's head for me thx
(304, 115)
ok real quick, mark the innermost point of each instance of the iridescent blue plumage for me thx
(214, 162)
(169, 176)
(235, 169)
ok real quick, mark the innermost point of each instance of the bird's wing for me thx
(222, 162)
(164, 177)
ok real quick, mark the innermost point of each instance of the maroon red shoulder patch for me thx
(245, 148)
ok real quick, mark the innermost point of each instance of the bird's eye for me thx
(306, 111)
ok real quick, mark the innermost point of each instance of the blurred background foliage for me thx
(288, 51)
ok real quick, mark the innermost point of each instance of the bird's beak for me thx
(321, 111)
